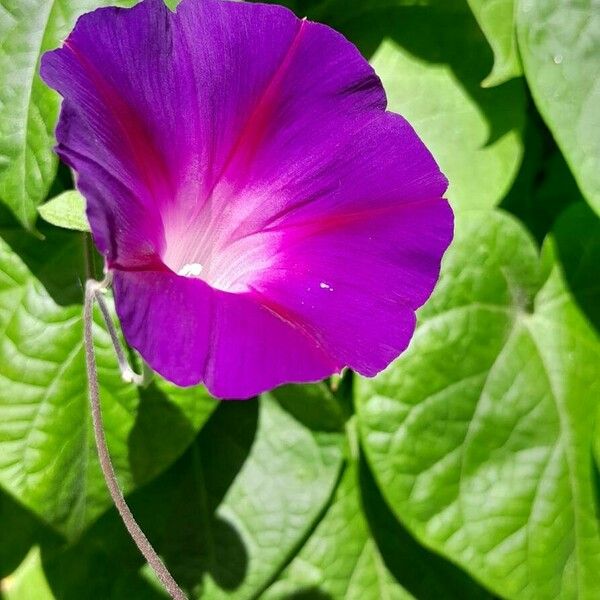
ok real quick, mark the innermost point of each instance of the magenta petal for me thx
(356, 279)
(146, 302)
(265, 219)
(236, 346)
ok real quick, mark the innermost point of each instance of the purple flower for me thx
(265, 219)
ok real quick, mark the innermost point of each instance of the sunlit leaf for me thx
(559, 43)
(496, 19)
(66, 210)
(480, 435)
(47, 454)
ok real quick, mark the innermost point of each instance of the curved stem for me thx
(92, 290)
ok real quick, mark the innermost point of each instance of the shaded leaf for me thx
(21, 530)
(256, 523)
(480, 435)
(545, 186)
(577, 237)
(226, 518)
(314, 405)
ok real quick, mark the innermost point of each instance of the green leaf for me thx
(577, 237)
(340, 559)
(480, 435)
(66, 210)
(559, 44)
(315, 405)
(431, 60)
(496, 19)
(28, 108)
(256, 522)
(226, 518)
(422, 572)
(47, 453)
(20, 532)
(28, 582)
(359, 550)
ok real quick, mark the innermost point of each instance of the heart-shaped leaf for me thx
(480, 435)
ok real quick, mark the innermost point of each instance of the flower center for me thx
(225, 261)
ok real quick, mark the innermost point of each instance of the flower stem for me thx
(92, 291)
(128, 374)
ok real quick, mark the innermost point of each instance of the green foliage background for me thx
(468, 469)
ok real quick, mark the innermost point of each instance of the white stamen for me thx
(190, 270)
(325, 286)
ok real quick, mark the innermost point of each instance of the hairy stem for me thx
(92, 291)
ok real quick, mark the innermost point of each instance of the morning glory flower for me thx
(264, 218)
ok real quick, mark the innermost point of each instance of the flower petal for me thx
(113, 123)
(355, 280)
(190, 332)
(164, 109)
(265, 218)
